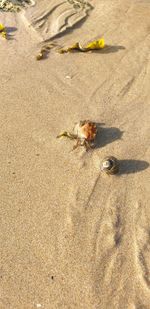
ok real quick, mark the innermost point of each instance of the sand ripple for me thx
(50, 18)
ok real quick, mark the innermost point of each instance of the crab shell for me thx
(110, 165)
(86, 130)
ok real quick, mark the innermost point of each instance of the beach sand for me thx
(72, 237)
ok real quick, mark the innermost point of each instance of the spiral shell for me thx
(86, 130)
(110, 165)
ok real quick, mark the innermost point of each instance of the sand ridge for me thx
(50, 18)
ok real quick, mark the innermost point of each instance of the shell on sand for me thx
(110, 165)
(85, 130)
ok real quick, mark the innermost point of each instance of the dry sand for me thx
(70, 236)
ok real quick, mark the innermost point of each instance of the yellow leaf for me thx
(98, 44)
(94, 45)
(2, 27)
(4, 34)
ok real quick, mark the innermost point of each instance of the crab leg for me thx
(77, 144)
(87, 145)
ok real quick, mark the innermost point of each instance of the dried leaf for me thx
(45, 51)
(98, 44)
(2, 27)
(39, 56)
(4, 34)
(3, 31)
(94, 45)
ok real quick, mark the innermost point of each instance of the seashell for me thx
(85, 130)
(110, 165)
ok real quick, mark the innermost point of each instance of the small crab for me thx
(84, 132)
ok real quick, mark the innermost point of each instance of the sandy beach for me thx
(72, 237)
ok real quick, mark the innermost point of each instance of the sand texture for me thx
(72, 237)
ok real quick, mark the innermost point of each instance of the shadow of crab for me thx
(107, 135)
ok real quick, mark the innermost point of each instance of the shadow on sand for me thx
(132, 166)
(70, 29)
(9, 31)
(107, 135)
(109, 49)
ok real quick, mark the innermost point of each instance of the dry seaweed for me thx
(3, 31)
(92, 45)
(45, 51)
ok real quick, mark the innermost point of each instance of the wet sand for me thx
(71, 236)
